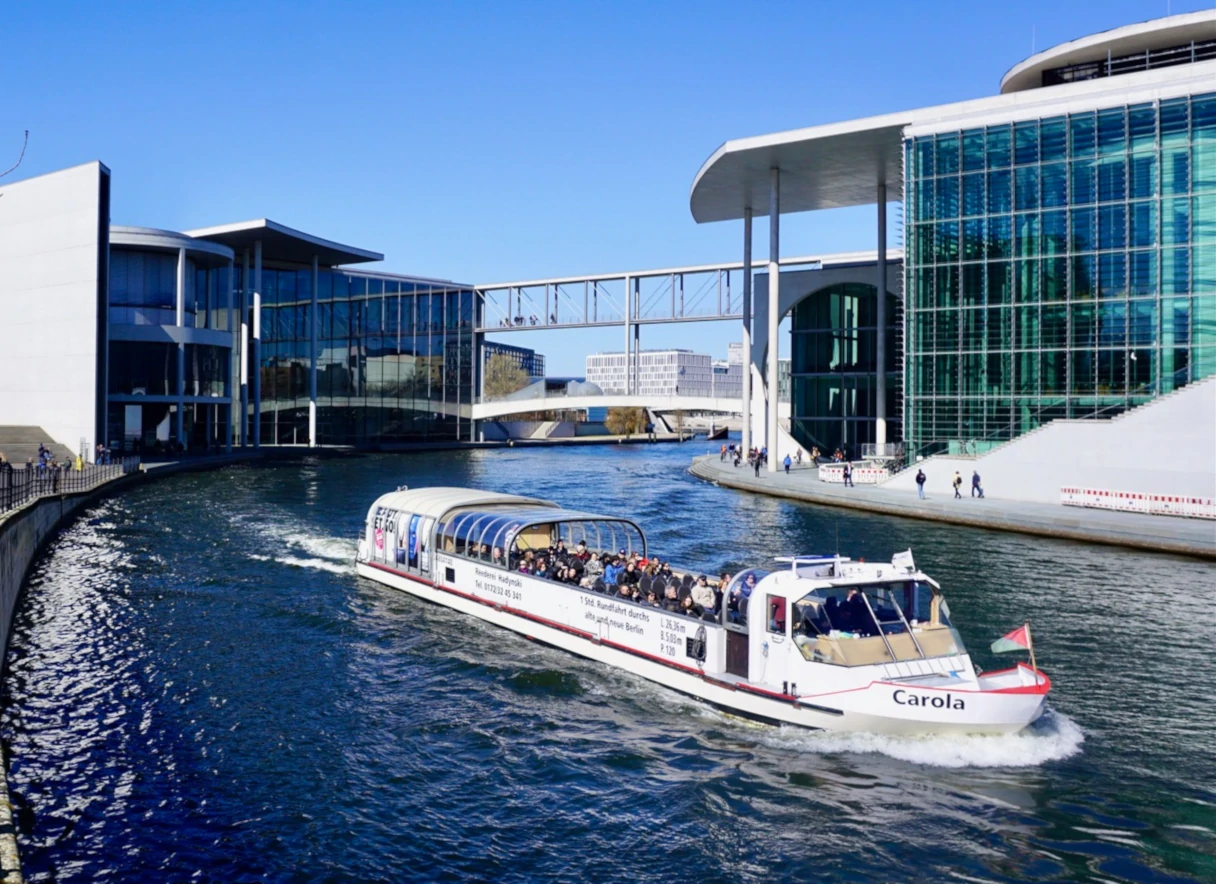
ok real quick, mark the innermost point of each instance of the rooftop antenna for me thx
(19, 158)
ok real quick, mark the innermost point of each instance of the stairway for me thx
(19, 444)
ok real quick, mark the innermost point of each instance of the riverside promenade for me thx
(1195, 537)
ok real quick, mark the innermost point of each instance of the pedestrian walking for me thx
(920, 484)
(848, 476)
(977, 490)
(723, 457)
(958, 484)
(756, 464)
(787, 463)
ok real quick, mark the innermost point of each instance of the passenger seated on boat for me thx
(580, 551)
(612, 570)
(598, 585)
(702, 594)
(541, 568)
(653, 600)
(671, 599)
(594, 567)
(497, 556)
(630, 575)
(691, 608)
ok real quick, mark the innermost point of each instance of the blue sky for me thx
(490, 141)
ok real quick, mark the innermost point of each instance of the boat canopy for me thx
(475, 523)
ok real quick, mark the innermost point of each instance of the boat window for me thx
(738, 591)
(775, 608)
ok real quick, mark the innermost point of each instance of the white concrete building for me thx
(659, 373)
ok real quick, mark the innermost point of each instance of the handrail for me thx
(19, 485)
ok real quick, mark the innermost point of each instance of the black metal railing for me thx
(1113, 66)
(21, 484)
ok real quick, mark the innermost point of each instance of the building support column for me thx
(628, 334)
(232, 332)
(243, 361)
(774, 317)
(312, 359)
(257, 344)
(478, 386)
(179, 424)
(747, 331)
(880, 314)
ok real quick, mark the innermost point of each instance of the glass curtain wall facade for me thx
(1059, 267)
(394, 357)
(834, 363)
(142, 378)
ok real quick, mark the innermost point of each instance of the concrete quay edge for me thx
(1168, 534)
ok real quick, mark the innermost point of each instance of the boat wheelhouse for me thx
(816, 641)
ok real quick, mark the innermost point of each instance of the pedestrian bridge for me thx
(500, 408)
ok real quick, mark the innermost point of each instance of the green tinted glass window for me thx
(999, 147)
(1112, 179)
(1142, 126)
(1082, 135)
(1143, 175)
(1026, 142)
(1000, 191)
(1054, 181)
(1026, 188)
(1083, 183)
(947, 154)
(947, 197)
(973, 194)
(973, 150)
(1055, 233)
(1142, 273)
(1142, 218)
(1112, 131)
(1083, 229)
(1026, 243)
(1112, 226)
(1053, 139)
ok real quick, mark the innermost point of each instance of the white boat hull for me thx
(648, 643)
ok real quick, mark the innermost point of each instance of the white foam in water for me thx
(1053, 737)
(318, 564)
(323, 553)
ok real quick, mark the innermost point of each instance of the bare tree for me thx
(625, 421)
(504, 376)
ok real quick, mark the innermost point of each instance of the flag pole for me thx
(1030, 647)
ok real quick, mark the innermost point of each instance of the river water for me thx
(200, 688)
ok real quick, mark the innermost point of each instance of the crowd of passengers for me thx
(630, 577)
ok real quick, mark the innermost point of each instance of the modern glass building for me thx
(1059, 246)
(1058, 267)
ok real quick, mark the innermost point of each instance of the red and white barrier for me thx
(862, 475)
(1140, 502)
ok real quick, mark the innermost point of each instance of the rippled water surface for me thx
(199, 687)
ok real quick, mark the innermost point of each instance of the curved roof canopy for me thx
(282, 243)
(1161, 33)
(438, 502)
(822, 167)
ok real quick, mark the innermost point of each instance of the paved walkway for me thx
(1161, 533)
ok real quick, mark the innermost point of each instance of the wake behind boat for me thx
(818, 641)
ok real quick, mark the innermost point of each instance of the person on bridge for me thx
(977, 490)
(920, 484)
(787, 463)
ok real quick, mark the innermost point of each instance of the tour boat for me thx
(816, 641)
